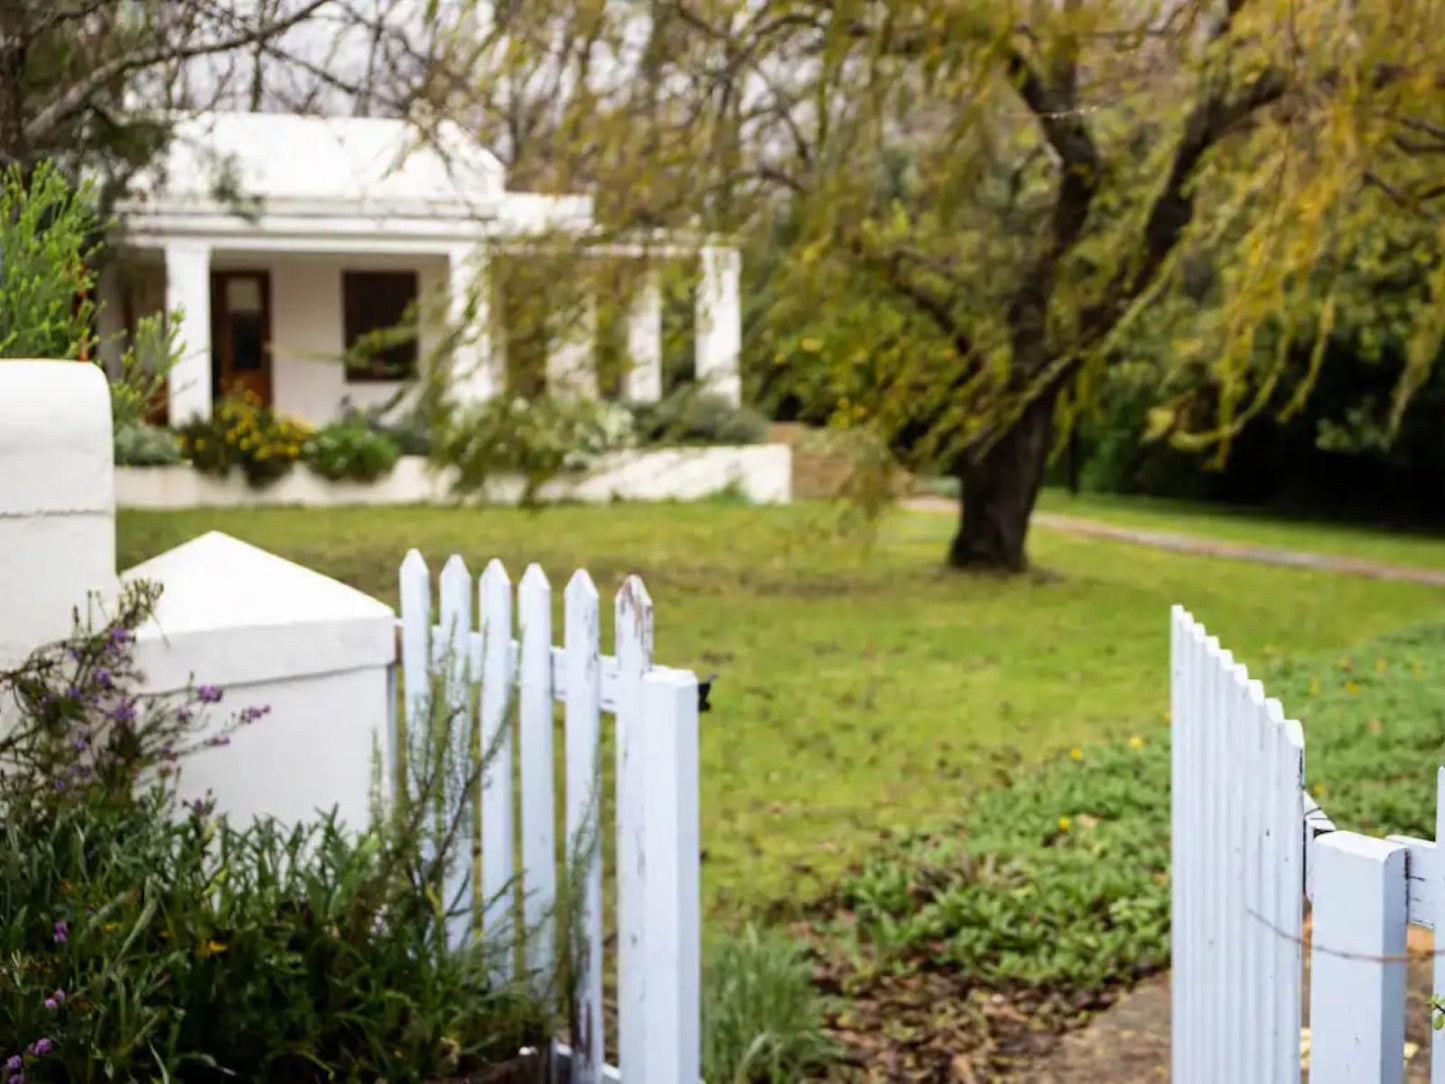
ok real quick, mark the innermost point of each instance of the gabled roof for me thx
(351, 165)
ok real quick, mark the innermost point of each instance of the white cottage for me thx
(340, 224)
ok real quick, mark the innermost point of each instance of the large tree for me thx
(982, 201)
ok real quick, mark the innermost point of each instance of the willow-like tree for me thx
(977, 207)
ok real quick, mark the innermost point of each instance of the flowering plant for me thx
(144, 939)
(245, 433)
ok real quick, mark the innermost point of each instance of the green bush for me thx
(762, 1016)
(344, 450)
(536, 439)
(141, 445)
(243, 433)
(47, 233)
(689, 416)
(144, 941)
(410, 431)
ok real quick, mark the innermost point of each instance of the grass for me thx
(1053, 890)
(1375, 543)
(862, 690)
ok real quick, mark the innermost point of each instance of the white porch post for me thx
(572, 352)
(643, 383)
(476, 372)
(188, 289)
(719, 323)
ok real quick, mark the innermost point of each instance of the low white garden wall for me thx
(761, 473)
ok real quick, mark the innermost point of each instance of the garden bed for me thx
(759, 473)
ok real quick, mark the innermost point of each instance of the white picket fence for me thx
(1249, 848)
(657, 874)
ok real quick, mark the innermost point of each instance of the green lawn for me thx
(861, 689)
(1252, 526)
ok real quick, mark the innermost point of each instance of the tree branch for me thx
(74, 98)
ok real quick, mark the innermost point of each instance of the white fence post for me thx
(539, 818)
(669, 874)
(498, 866)
(454, 648)
(1357, 974)
(633, 633)
(1284, 875)
(584, 822)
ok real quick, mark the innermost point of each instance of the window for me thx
(380, 317)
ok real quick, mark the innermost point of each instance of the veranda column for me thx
(188, 291)
(644, 341)
(476, 364)
(572, 351)
(720, 323)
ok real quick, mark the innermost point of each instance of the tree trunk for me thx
(998, 494)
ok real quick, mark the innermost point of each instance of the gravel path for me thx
(1209, 547)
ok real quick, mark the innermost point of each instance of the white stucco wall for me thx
(272, 633)
(308, 379)
(57, 500)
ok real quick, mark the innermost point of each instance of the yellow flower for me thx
(1076, 753)
(110, 927)
(1352, 687)
(211, 948)
(1318, 790)
(1064, 823)
(812, 346)
(1314, 686)
(1136, 743)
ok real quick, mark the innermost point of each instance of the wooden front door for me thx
(241, 333)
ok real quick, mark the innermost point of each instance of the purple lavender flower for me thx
(14, 1062)
(18, 1078)
(51, 1004)
(62, 932)
(220, 739)
(209, 694)
(124, 711)
(81, 745)
(60, 784)
(43, 1047)
(251, 714)
(103, 678)
(73, 693)
(183, 715)
(119, 636)
(59, 996)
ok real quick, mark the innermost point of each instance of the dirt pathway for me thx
(1210, 547)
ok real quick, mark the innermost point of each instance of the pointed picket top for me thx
(495, 578)
(580, 588)
(413, 566)
(633, 630)
(539, 836)
(455, 584)
(495, 596)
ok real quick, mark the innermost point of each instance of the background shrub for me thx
(244, 433)
(689, 416)
(536, 439)
(141, 445)
(345, 450)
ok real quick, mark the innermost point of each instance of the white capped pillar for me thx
(476, 364)
(188, 290)
(572, 351)
(57, 501)
(643, 382)
(720, 323)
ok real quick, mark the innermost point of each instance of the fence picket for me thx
(1215, 1047)
(1178, 804)
(584, 821)
(666, 749)
(539, 819)
(1234, 919)
(1256, 844)
(1437, 1038)
(498, 864)
(414, 587)
(633, 634)
(455, 584)
(1287, 876)
(1357, 970)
